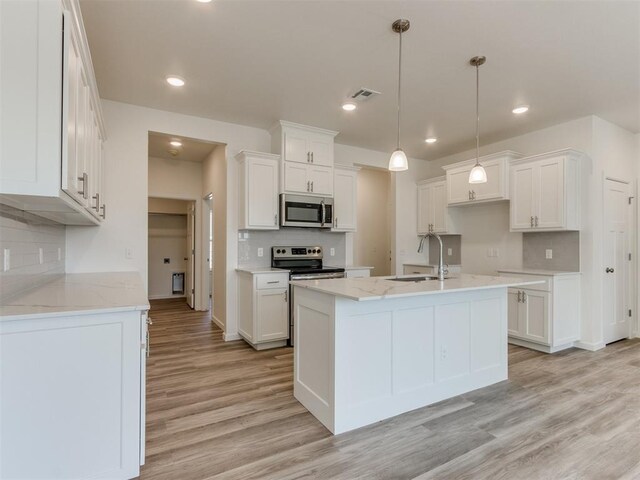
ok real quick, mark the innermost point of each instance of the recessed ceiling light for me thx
(521, 109)
(175, 81)
(203, 1)
(349, 106)
(175, 143)
(431, 140)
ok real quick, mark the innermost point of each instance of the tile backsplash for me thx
(564, 246)
(22, 235)
(453, 242)
(265, 239)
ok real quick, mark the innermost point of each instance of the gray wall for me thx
(565, 246)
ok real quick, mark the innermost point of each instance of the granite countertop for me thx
(535, 271)
(378, 288)
(78, 293)
(259, 270)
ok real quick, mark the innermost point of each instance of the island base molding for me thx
(356, 363)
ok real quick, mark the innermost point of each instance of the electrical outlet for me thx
(261, 252)
(332, 252)
(548, 254)
(128, 253)
(7, 259)
(449, 251)
(40, 255)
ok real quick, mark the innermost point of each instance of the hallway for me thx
(223, 410)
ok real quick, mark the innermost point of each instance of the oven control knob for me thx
(319, 251)
(278, 251)
(309, 251)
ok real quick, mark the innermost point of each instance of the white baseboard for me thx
(217, 321)
(229, 337)
(590, 346)
(164, 297)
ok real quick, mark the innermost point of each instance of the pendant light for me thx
(398, 161)
(478, 173)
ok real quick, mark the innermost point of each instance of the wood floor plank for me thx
(220, 410)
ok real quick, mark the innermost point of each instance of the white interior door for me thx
(191, 251)
(616, 263)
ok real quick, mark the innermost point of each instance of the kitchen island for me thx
(371, 348)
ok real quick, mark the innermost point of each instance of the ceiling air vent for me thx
(364, 94)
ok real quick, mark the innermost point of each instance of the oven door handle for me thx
(324, 213)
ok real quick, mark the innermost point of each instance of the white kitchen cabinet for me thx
(545, 192)
(306, 156)
(263, 308)
(258, 175)
(432, 206)
(345, 199)
(461, 192)
(545, 316)
(51, 129)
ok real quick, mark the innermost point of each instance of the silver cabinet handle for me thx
(473, 194)
(308, 186)
(308, 157)
(311, 187)
(335, 222)
(286, 296)
(311, 157)
(275, 219)
(536, 220)
(85, 191)
(148, 348)
(273, 282)
(149, 321)
(532, 221)
(519, 296)
(469, 195)
(96, 197)
(524, 297)
(609, 270)
(104, 211)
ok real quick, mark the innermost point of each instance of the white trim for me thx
(230, 337)
(217, 321)
(165, 297)
(590, 346)
(614, 179)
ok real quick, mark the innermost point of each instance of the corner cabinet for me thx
(461, 192)
(263, 308)
(432, 206)
(258, 175)
(345, 199)
(545, 316)
(306, 156)
(51, 127)
(545, 192)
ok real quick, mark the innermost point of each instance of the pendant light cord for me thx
(399, 86)
(477, 114)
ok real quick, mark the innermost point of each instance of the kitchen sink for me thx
(412, 279)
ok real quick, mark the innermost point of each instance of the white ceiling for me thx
(190, 151)
(254, 62)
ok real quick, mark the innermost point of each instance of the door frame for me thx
(632, 214)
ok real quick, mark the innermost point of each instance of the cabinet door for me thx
(295, 177)
(81, 192)
(438, 199)
(424, 203)
(272, 309)
(71, 86)
(321, 179)
(262, 194)
(550, 197)
(534, 316)
(296, 148)
(522, 196)
(321, 148)
(458, 186)
(494, 186)
(513, 312)
(345, 200)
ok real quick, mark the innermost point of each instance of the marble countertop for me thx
(378, 288)
(535, 271)
(78, 293)
(259, 270)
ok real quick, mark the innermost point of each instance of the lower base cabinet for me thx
(72, 403)
(263, 308)
(545, 317)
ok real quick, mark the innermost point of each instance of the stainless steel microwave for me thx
(305, 211)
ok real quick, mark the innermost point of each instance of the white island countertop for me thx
(377, 288)
(78, 293)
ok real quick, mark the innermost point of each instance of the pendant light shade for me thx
(478, 173)
(398, 161)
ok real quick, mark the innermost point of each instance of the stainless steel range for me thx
(304, 263)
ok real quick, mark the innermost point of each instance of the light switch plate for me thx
(40, 255)
(449, 251)
(59, 254)
(332, 251)
(261, 252)
(548, 254)
(7, 259)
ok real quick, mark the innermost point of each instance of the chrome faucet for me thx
(442, 271)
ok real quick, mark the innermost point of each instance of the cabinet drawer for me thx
(546, 286)
(272, 280)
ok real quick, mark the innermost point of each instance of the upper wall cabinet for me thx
(257, 190)
(345, 199)
(432, 206)
(461, 192)
(545, 192)
(51, 128)
(307, 158)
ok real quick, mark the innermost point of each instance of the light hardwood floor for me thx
(222, 410)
